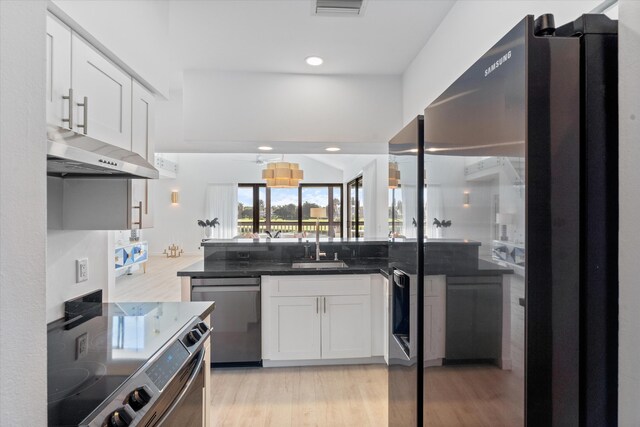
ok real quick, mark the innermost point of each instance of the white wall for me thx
(177, 224)
(63, 249)
(136, 31)
(169, 134)
(241, 106)
(23, 342)
(629, 86)
(466, 33)
(372, 167)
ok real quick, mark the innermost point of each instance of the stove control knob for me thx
(193, 337)
(203, 327)
(118, 418)
(138, 398)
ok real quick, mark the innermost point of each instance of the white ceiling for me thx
(277, 35)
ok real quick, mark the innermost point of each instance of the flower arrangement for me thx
(207, 223)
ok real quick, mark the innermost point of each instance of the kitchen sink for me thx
(319, 264)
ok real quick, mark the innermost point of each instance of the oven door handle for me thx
(400, 278)
(185, 389)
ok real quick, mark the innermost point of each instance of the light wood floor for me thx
(473, 396)
(159, 283)
(310, 396)
(334, 395)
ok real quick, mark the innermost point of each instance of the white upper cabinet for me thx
(142, 137)
(59, 105)
(142, 121)
(106, 115)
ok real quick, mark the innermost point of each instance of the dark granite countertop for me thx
(311, 239)
(234, 268)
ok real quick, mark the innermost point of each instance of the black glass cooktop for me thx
(91, 356)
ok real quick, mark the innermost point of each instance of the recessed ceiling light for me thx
(314, 61)
(332, 149)
(265, 148)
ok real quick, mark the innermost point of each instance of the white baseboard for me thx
(324, 362)
(432, 362)
(505, 364)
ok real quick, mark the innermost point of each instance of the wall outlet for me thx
(82, 270)
(82, 346)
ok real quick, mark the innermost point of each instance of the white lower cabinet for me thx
(434, 317)
(316, 327)
(294, 328)
(346, 326)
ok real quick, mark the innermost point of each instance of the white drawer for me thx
(343, 284)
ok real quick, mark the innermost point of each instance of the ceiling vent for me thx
(339, 7)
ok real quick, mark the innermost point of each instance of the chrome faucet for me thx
(318, 213)
(318, 253)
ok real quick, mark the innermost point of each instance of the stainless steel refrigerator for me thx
(503, 237)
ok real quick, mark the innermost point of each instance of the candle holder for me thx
(173, 251)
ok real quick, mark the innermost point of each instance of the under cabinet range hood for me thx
(74, 155)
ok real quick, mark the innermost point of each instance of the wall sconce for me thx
(465, 199)
(174, 197)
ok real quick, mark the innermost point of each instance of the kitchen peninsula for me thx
(328, 312)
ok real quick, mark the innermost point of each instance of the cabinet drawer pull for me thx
(324, 299)
(317, 308)
(85, 115)
(70, 119)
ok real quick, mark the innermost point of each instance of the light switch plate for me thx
(82, 270)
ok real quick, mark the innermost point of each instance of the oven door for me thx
(188, 407)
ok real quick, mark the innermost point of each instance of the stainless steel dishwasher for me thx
(236, 338)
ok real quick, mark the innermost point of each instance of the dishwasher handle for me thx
(230, 281)
(202, 289)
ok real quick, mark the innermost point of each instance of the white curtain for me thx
(222, 203)
(369, 199)
(409, 209)
(435, 209)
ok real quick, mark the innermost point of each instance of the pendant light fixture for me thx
(282, 175)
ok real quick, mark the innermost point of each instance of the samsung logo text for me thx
(504, 58)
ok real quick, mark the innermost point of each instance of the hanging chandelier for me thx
(282, 175)
(394, 175)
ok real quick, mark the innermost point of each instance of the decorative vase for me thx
(208, 232)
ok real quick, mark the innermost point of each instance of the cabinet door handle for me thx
(317, 306)
(70, 119)
(324, 300)
(139, 207)
(85, 115)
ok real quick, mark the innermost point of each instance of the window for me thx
(251, 208)
(395, 212)
(322, 196)
(355, 221)
(287, 210)
(283, 208)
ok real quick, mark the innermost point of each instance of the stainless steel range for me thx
(120, 365)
